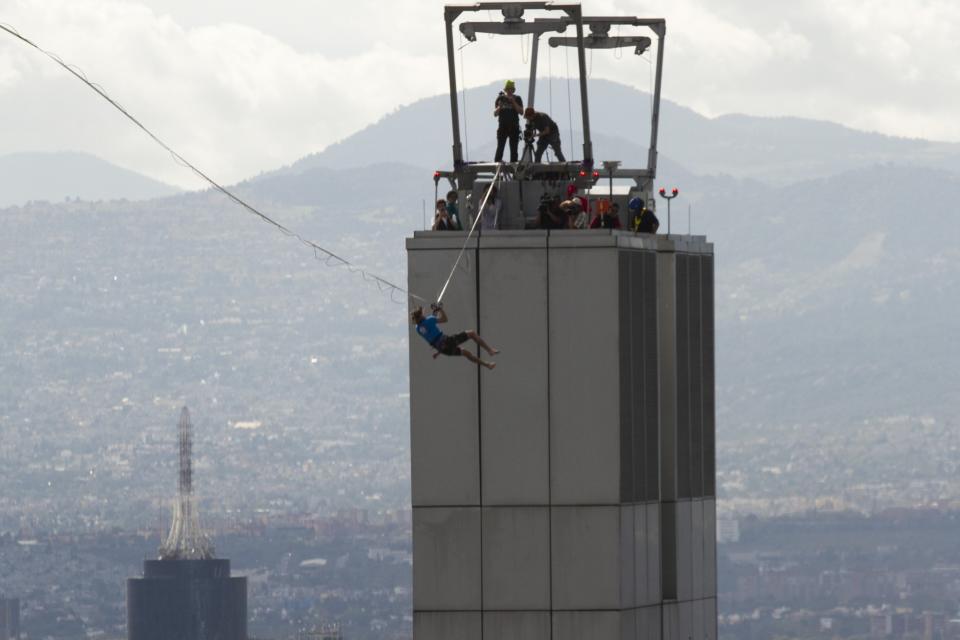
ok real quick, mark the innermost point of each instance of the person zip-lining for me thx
(448, 345)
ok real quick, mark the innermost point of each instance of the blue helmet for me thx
(635, 204)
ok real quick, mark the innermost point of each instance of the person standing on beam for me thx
(507, 109)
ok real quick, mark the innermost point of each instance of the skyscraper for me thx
(9, 619)
(186, 594)
(570, 492)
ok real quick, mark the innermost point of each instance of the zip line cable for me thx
(476, 219)
(326, 256)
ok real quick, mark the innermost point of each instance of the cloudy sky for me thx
(243, 86)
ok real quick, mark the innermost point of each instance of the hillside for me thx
(775, 150)
(54, 177)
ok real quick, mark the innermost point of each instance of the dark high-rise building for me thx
(9, 619)
(186, 594)
(187, 600)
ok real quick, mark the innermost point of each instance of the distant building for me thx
(186, 594)
(9, 619)
(323, 632)
(728, 530)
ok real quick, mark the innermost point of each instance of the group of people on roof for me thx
(575, 213)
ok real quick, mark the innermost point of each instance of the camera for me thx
(528, 133)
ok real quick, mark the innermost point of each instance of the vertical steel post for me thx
(449, 16)
(532, 89)
(661, 31)
(585, 111)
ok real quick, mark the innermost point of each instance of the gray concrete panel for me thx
(710, 618)
(671, 622)
(580, 625)
(585, 557)
(584, 370)
(628, 624)
(697, 549)
(628, 567)
(684, 321)
(709, 548)
(699, 623)
(649, 621)
(667, 348)
(444, 438)
(513, 318)
(446, 552)
(516, 558)
(639, 300)
(669, 549)
(696, 377)
(684, 550)
(654, 554)
(519, 625)
(709, 390)
(431, 625)
(685, 617)
(641, 591)
(651, 378)
(582, 239)
(628, 422)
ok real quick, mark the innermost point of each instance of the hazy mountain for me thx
(835, 300)
(777, 150)
(836, 297)
(56, 176)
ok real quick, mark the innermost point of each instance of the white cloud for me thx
(242, 86)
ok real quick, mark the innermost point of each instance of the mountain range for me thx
(838, 267)
(56, 176)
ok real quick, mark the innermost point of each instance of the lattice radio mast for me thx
(186, 540)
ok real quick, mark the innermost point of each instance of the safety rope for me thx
(328, 257)
(550, 76)
(566, 55)
(476, 219)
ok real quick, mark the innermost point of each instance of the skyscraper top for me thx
(186, 540)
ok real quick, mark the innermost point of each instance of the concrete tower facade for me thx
(568, 494)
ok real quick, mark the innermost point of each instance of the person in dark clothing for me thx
(550, 216)
(453, 211)
(549, 134)
(643, 220)
(448, 345)
(606, 218)
(507, 109)
(441, 218)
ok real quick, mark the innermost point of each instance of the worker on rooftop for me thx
(507, 109)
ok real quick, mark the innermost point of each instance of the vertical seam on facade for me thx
(549, 450)
(479, 423)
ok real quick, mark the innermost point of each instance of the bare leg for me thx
(483, 343)
(472, 358)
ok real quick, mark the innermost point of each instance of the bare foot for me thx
(493, 351)
(490, 365)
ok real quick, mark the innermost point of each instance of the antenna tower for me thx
(186, 540)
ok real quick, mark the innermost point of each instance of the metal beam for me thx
(584, 107)
(449, 16)
(532, 89)
(660, 28)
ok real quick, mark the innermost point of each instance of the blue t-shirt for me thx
(428, 329)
